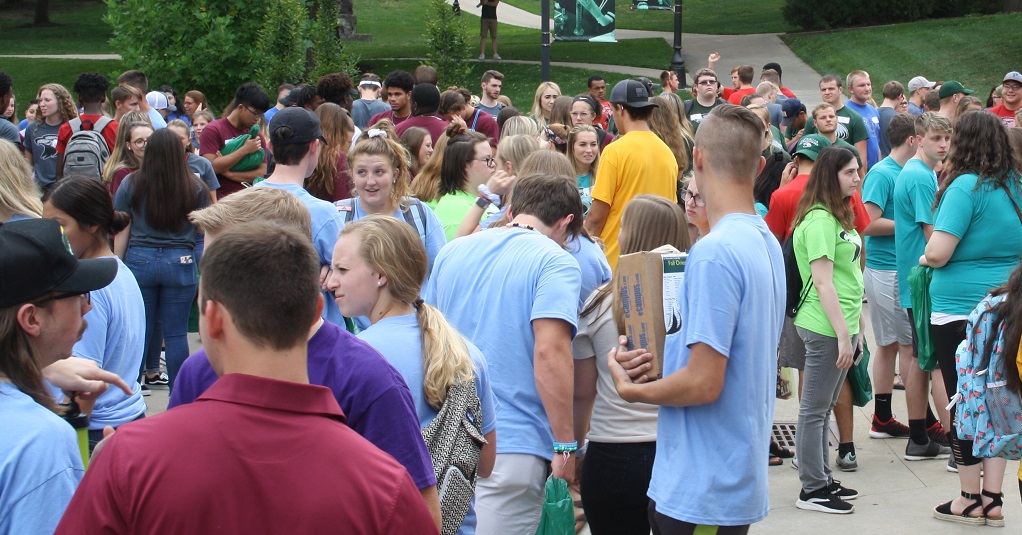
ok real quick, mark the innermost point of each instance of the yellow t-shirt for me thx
(635, 163)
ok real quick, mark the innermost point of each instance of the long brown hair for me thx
(336, 126)
(18, 363)
(164, 186)
(824, 188)
(1009, 315)
(980, 145)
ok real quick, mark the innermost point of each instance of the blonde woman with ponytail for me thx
(378, 269)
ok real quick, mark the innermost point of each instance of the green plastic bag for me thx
(862, 387)
(249, 161)
(919, 287)
(558, 511)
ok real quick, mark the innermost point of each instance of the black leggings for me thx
(615, 478)
(665, 525)
(945, 343)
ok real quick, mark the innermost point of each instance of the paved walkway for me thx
(755, 50)
(896, 496)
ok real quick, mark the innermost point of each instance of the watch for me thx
(482, 202)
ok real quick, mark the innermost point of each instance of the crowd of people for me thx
(410, 311)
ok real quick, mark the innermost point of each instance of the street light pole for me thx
(678, 62)
(545, 38)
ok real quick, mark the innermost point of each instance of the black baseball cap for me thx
(631, 93)
(37, 260)
(301, 121)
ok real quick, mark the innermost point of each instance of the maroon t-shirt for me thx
(483, 123)
(389, 114)
(431, 123)
(214, 137)
(251, 455)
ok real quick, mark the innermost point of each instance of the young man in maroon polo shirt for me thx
(250, 103)
(261, 451)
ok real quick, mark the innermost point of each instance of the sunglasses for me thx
(65, 295)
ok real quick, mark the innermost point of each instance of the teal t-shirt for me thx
(820, 235)
(991, 243)
(914, 191)
(879, 190)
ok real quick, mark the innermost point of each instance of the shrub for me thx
(447, 44)
(812, 15)
(328, 55)
(281, 44)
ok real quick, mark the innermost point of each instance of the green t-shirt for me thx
(850, 126)
(451, 210)
(697, 112)
(914, 191)
(819, 235)
(879, 190)
(991, 243)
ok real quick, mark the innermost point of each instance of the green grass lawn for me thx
(28, 74)
(397, 28)
(976, 51)
(698, 16)
(80, 30)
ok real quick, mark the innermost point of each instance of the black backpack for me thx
(797, 289)
(86, 152)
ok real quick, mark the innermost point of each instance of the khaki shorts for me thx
(488, 25)
(890, 321)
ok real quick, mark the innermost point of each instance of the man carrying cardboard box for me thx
(712, 432)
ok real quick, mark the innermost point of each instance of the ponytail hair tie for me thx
(417, 303)
(553, 137)
(376, 132)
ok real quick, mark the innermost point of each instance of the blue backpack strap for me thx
(410, 218)
(475, 118)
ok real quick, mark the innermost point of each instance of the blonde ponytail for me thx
(445, 358)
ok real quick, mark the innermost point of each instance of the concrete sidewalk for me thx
(755, 50)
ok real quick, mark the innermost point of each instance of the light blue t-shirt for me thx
(399, 340)
(709, 465)
(871, 117)
(595, 270)
(326, 226)
(914, 191)
(879, 190)
(114, 342)
(40, 466)
(157, 119)
(491, 285)
(991, 243)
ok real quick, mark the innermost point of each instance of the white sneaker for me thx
(482, 57)
(496, 56)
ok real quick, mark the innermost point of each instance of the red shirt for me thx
(736, 95)
(389, 114)
(1007, 116)
(608, 112)
(119, 176)
(433, 124)
(251, 455)
(214, 137)
(109, 133)
(787, 92)
(785, 200)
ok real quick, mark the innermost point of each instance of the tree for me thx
(42, 13)
(447, 45)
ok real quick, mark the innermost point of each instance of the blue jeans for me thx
(168, 281)
(822, 384)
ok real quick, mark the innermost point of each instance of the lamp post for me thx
(678, 62)
(544, 33)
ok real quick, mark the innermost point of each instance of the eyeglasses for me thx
(696, 199)
(490, 162)
(65, 295)
(1011, 87)
(253, 112)
(706, 82)
(140, 143)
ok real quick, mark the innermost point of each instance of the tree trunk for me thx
(42, 12)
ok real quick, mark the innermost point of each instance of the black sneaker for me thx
(837, 490)
(925, 452)
(160, 379)
(823, 501)
(146, 391)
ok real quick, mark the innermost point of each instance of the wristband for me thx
(483, 202)
(566, 447)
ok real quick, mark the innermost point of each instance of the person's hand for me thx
(634, 363)
(923, 262)
(845, 353)
(714, 58)
(84, 376)
(500, 182)
(107, 433)
(563, 466)
(251, 146)
(457, 119)
(324, 272)
(789, 173)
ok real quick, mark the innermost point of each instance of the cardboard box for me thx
(648, 284)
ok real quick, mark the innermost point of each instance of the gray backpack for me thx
(86, 152)
(455, 442)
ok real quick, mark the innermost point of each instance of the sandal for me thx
(943, 511)
(776, 450)
(776, 461)
(995, 521)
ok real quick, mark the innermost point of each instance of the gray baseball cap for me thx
(631, 93)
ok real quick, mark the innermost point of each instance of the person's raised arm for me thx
(554, 374)
(76, 374)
